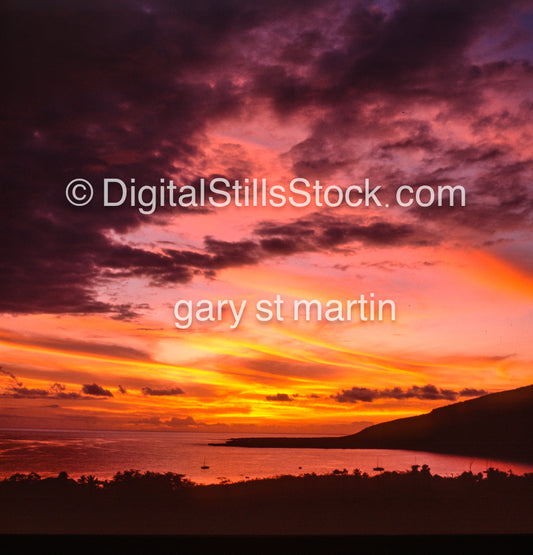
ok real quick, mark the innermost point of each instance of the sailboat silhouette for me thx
(378, 468)
(204, 466)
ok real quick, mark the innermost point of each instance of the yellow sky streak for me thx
(376, 363)
(191, 374)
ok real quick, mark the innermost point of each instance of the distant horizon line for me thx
(5, 429)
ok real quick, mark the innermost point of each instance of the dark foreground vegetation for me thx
(414, 502)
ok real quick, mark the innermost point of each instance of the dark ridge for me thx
(497, 426)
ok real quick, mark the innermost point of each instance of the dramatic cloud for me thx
(161, 392)
(96, 390)
(96, 116)
(426, 392)
(363, 85)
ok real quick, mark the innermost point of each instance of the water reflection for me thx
(103, 453)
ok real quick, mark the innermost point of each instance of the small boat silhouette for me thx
(378, 468)
(204, 466)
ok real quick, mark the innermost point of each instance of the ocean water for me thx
(103, 453)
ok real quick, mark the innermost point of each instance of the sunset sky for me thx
(398, 92)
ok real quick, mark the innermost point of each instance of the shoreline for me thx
(329, 443)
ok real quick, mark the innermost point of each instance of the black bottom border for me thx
(58, 543)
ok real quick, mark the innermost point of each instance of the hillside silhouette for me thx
(496, 426)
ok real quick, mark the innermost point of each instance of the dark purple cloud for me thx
(96, 390)
(171, 391)
(132, 92)
(356, 394)
(26, 393)
(387, 65)
(100, 93)
(427, 392)
(281, 397)
(471, 392)
(56, 391)
(322, 232)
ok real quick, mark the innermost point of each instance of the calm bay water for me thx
(103, 453)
